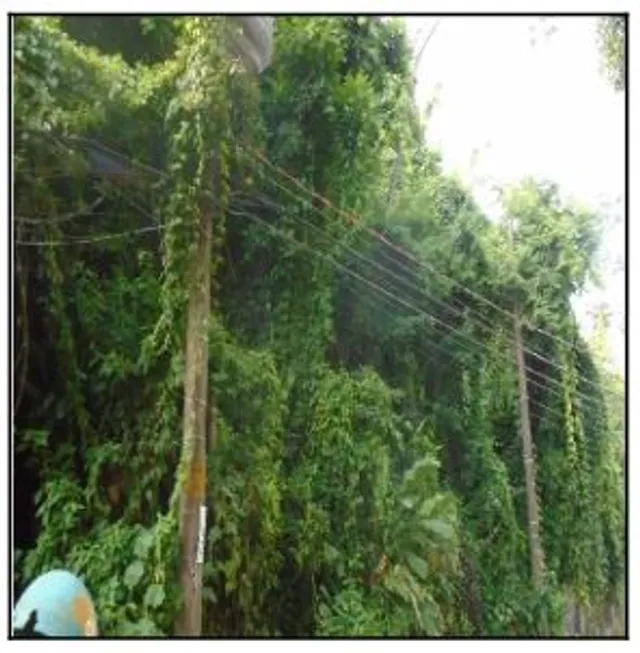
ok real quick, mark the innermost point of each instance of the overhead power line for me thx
(356, 220)
(370, 261)
(353, 221)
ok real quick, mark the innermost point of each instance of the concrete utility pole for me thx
(253, 42)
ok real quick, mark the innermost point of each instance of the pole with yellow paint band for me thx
(194, 445)
(253, 40)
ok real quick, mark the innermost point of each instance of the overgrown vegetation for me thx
(366, 476)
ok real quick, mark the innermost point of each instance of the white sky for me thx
(506, 108)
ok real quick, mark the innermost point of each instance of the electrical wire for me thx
(356, 254)
(432, 344)
(85, 211)
(356, 220)
(490, 328)
(280, 207)
(384, 293)
(154, 218)
(88, 241)
(352, 218)
(371, 284)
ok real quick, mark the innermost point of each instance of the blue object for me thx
(56, 604)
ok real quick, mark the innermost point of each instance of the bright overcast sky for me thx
(508, 107)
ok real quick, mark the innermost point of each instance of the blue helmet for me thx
(56, 604)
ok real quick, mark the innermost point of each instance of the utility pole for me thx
(535, 544)
(193, 510)
(533, 513)
(253, 42)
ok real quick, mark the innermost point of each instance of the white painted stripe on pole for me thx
(201, 535)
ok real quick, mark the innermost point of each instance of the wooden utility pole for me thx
(533, 513)
(193, 510)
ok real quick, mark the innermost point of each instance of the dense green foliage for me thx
(366, 476)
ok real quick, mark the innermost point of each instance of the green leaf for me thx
(418, 566)
(154, 596)
(440, 527)
(133, 574)
(215, 534)
(331, 553)
(408, 502)
(38, 438)
(209, 595)
(430, 505)
(143, 544)
(143, 628)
